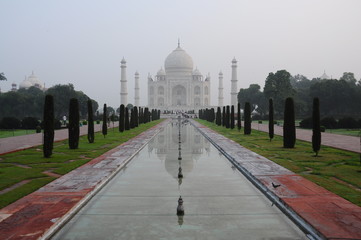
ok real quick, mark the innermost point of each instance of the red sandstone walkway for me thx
(344, 142)
(17, 143)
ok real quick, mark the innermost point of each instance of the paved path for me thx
(13, 144)
(349, 143)
(43, 211)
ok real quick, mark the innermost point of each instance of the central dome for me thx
(178, 60)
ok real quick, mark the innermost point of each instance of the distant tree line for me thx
(25, 104)
(338, 97)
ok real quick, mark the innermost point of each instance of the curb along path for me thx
(331, 215)
(37, 214)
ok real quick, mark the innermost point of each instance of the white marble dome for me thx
(31, 81)
(178, 60)
(25, 84)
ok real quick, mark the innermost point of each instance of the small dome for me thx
(161, 72)
(178, 60)
(123, 61)
(196, 72)
(324, 76)
(34, 80)
(220, 73)
(234, 60)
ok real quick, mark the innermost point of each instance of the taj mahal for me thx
(179, 86)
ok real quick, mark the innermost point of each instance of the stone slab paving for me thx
(34, 215)
(17, 143)
(339, 141)
(331, 215)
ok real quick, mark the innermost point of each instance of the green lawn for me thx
(28, 166)
(349, 132)
(16, 132)
(336, 170)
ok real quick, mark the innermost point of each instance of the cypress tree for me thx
(145, 115)
(104, 125)
(289, 128)
(126, 122)
(232, 116)
(141, 114)
(48, 120)
(247, 118)
(224, 116)
(228, 113)
(270, 120)
(136, 117)
(239, 123)
(121, 118)
(218, 118)
(73, 123)
(158, 115)
(131, 121)
(90, 122)
(316, 126)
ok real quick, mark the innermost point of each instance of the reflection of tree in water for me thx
(166, 144)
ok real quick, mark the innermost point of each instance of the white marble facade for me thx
(178, 86)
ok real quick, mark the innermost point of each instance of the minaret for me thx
(234, 83)
(220, 90)
(123, 83)
(136, 89)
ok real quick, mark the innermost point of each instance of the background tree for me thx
(239, 121)
(2, 77)
(289, 128)
(349, 78)
(254, 96)
(48, 121)
(278, 87)
(90, 121)
(316, 127)
(270, 120)
(232, 117)
(247, 118)
(62, 94)
(121, 118)
(104, 124)
(73, 128)
(126, 120)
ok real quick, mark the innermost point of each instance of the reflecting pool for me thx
(142, 201)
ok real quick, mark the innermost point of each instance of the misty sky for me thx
(83, 42)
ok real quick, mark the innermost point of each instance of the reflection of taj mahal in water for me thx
(165, 147)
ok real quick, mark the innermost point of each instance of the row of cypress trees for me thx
(125, 122)
(138, 115)
(226, 119)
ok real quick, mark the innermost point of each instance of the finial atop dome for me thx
(178, 43)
